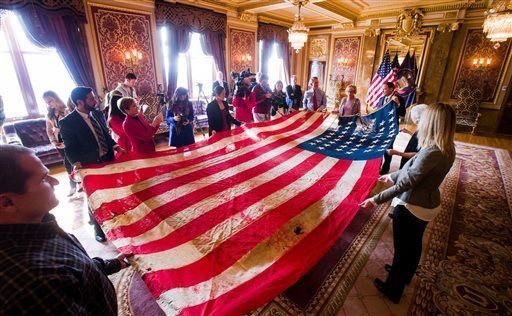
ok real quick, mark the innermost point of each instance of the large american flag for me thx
(223, 226)
(384, 74)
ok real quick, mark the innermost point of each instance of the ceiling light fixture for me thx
(498, 23)
(298, 33)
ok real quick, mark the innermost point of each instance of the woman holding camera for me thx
(219, 118)
(180, 115)
(416, 197)
(241, 101)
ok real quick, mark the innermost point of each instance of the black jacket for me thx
(294, 96)
(81, 145)
(214, 117)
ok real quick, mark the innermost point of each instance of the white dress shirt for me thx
(87, 120)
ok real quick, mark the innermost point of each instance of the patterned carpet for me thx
(466, 268)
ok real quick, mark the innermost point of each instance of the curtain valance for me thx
(53, 7)
(272, 33)
(190, 18)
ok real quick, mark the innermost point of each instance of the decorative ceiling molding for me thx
(273, 19)
(335, 8)
(477, 4)
(265, 5)
(448, 27)
(247, 17)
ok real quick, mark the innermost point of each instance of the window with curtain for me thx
(28, 71)
(193, 66)
(275, 66)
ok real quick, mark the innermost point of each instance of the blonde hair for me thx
(124, 103)
(353, 86)
(437, 128)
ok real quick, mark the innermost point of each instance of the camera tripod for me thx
(199, 106)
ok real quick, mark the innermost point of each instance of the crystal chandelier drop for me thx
(498, 23)
(298, 33)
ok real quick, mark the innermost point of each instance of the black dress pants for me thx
(386, 164)
(407, 239)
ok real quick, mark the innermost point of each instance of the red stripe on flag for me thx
(218, 214)
(236, 246)
(288, 269)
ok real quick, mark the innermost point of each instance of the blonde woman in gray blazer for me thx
(415, 195)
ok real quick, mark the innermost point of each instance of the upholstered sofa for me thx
(32, 134)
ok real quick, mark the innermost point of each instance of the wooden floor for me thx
(497, 141)
(362, 300)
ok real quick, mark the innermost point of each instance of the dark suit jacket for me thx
(214, 117)
(226, 88)
(400, 110)
(81, 145)
(294, 96)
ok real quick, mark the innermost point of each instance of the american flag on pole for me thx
(384, 74)
(223, 226)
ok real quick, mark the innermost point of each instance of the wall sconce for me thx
(342, 62)
(482, 62)
(246, 61)
(132, 58)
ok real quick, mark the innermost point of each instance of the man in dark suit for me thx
(388, 89)
(218, 82)
(294, 94)
(86, 137)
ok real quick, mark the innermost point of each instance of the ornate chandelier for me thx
(498, 23)
(298, 33)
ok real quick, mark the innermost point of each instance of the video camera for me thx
(241, 89)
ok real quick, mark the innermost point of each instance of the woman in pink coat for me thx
(139, 132)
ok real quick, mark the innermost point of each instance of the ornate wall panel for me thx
(487, 77)
(345, 48)
(242, 45)
(319, 47)
(118, 32)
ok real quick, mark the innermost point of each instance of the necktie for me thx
(99, 133)
(315, 102)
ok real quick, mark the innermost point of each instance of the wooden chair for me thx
(467, 107)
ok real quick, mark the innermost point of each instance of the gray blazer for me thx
(418, 181)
